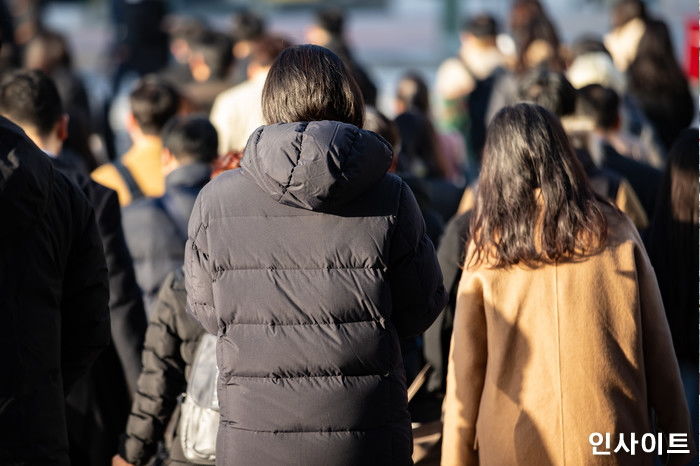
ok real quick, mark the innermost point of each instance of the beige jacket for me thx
(541, 358)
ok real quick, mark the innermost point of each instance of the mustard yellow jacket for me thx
(144, 163)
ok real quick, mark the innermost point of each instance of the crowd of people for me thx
(239, 258)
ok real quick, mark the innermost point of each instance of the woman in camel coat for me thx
(559, 330)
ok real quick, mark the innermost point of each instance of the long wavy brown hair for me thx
(534, 204)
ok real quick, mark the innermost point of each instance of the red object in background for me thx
(692, 38)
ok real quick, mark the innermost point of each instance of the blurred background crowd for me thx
(146, 96)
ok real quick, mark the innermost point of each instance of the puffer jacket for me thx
(309, 263)
(171, 341)
(54, 315)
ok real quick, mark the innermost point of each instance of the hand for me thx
(119, 461)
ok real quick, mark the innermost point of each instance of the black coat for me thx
(644, 179)
(156, 228)
(54, 314)
(309, 263)
(171, 342)
(437, 337)
(99, 403)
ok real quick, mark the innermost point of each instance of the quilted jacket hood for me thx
(315, 165)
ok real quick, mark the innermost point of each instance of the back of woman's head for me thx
(412, 92)
(655, 68)
(534, 204)
(47, 51)
(420, 152)
(311, 83)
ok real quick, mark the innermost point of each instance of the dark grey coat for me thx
(309, 263)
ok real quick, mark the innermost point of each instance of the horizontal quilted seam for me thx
(303, 324)
(231, 425)
(310, 214)
(226, 268)
(274, 378)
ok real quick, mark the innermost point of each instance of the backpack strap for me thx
(131, 184)
(167, 203)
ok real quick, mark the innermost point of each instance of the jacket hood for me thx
(26, 177)
(315, 165)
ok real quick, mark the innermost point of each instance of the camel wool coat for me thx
(542, 358)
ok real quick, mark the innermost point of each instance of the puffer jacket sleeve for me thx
(85, 327)
(465, 376)
(665, 388)
(417, 290)
(198, 271)
(162, 379)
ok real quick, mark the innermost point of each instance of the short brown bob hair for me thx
(311, 83)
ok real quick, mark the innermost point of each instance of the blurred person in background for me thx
(315, 196)
(420, 151)
(554, 92)
(28, 19)
(183, 32)
(597, 108)
(248, 28)
(466, 83)
(536, 38)
(672, 243)
(210, 62)
(141, 38)
(96, 405)
(237, 112)
(9, 52)
(49, 52)
(420, 157)
(641, 47)
(139, 172)
(603, 105)
(377, 122)
(412, 95)
(544, 261)
(54, 294)
(329, 31)
(156, 227)
(591, 63)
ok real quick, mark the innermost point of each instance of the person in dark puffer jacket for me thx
(310, 263)
(171, 342)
